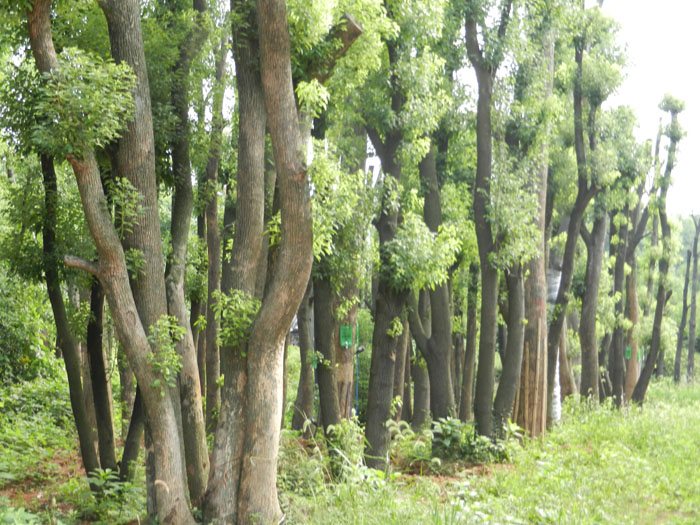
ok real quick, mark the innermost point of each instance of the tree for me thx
(485, 62)
(675, 134)
(681, 326)
(593, 81)
(693, 303)
(241, 487)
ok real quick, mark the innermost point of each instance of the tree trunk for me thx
(304, 404)
(435, 345)
(421, 395)
(170, 504)
(585, 193)
(595, 247)
(466, 393)
(100, 383)
(693, 303)
(662, 295)
(345, 357)
(633, 316)
(127, 391)
(407, 408)
(510, 376)
(64, 337)
(244, 461)
(681, 327)
(531, 398)
(325, 338)
(239, 265)
(567, 383)
(400, 369)
(258, 488)
(617, 354)
(485, 75)
(211, 218)
(389, 303)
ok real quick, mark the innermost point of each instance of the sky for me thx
(662, 41)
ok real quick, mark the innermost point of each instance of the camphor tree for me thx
(674, 132)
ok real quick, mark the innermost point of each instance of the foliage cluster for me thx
(236, 312)
(27, 334)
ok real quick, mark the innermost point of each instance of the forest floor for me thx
(598, 465)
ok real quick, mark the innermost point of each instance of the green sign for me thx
(346, 335)
(628, 352)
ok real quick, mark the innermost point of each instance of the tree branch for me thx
(586, 235)
(505, 18)
(82, 264)
(416, 324)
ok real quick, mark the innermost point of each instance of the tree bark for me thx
(567, 383)
(258, 489)
(400, 370)
(531, 400)
(127, 391)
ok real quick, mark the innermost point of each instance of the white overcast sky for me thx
(663, 40)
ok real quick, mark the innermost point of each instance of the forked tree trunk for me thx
(240, 264)
(245, 464)
(435, 343)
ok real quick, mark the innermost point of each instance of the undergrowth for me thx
(598, 465)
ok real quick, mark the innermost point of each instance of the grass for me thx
(599, 465)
